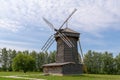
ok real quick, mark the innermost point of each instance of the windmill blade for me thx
(68, 39)
(64, 39)
(48, 43)
(49, 24)
(68, 18)
(81, 51)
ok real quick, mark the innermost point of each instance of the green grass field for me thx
(38, 76)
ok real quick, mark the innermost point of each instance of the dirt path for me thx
(17, 77)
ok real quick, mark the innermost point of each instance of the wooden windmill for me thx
(67, 60)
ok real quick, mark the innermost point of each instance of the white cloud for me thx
(14, 42)
(10, 25)
(17, 45)
(94, 14)
(96, 17)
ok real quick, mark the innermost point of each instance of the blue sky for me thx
(22, 26)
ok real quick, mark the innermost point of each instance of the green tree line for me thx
(12, 60)
(95, 62)
(102, 63)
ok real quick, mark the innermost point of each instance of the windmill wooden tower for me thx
(67, 60)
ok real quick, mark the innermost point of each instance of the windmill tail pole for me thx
(81, 51)
(68, 18)
(84, 66)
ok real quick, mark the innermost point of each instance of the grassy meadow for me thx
(38, 76)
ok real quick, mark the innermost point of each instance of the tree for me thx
(93, 62)
(34, 55)
(117, 60)
(11, 55)
(41, 59)
(107, 63)
(23, 62)
(4, 59)
(51, 57)
(0, 56)
(26, 52)
(97, 60)
(88, 61)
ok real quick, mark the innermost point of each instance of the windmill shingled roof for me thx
(69, 30)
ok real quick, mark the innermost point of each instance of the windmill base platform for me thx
(66, 68)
